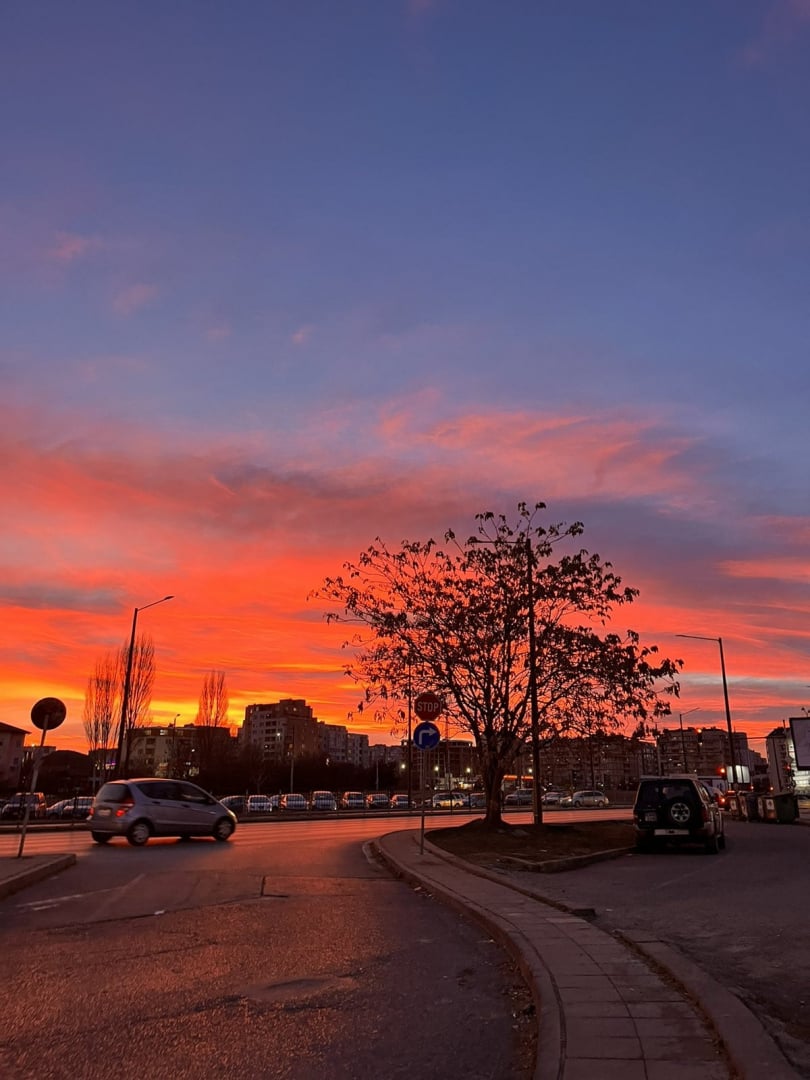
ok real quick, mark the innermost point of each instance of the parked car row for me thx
(328, 801)
(14, 808)
(575, 800)
(75, 809)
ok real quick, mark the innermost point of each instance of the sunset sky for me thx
(280, 277)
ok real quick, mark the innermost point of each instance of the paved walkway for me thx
(607, 1009)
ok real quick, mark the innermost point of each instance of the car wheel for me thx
(679, 813)
(101, 837)
(223, 829)
(138, 833)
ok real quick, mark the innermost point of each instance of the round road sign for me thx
(48, 713)
(427, 706)
(426, 736)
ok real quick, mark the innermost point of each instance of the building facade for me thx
(175, 751)
(12, 740)
(281, 731)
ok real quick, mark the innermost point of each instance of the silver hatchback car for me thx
(138, 809)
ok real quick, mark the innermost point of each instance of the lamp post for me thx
(534, 712)
(719, 640)
(120, 763)
(410, 732)
(292, 758)
(537, 805)
(681, 715)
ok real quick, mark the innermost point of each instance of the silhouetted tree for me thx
(211, 719)
(461, 614)
(141, 682)
(102, 709)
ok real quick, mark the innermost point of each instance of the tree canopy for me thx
(458, 618)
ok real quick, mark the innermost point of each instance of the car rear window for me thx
(114, 793)
(653, 794)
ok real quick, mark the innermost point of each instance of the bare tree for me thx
(141, 680)
(141, 685)
(212, 713)
(101, 709)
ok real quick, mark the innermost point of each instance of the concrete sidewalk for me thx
(608, 1009)
(16, 874)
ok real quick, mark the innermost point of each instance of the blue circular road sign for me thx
(426, 736)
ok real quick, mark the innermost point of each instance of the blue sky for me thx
(277, 277)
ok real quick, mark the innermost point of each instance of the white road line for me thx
(55, 900)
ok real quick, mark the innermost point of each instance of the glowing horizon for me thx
(255, 315)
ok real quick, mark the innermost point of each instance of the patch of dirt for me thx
(486, 845)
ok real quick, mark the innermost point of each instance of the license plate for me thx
(650, 815)
(104, 812)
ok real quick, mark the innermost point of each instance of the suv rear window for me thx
(651, 794)
(114, 793)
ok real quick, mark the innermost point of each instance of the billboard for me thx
(800, 733)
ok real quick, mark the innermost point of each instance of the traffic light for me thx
(700, 737)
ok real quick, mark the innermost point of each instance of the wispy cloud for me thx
(783, 23)
(67, 247)
(218, 331)
(301, 336)
(134, 298)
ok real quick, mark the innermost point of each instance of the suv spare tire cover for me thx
(680, 812)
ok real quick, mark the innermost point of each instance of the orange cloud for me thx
(241, 533)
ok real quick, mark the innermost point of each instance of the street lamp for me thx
(681, 715)
(410, 728)
(534, 711)
(719, 640)
(120, 763)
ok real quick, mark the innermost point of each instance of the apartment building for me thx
(280, 731)
(11, 756)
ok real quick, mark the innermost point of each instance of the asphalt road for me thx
(741, 915)
(287, 953)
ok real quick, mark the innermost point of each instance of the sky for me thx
(277, 278)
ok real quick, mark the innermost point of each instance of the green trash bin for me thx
(786, 807)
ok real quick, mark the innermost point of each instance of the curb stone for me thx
(750, 1049)
(44, 867)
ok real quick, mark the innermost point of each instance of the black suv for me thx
(676, 809)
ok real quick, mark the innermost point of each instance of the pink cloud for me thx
(301, 335)
(70, 246)
(135, 297)
(783, 22)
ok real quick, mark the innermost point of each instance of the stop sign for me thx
(427, 706)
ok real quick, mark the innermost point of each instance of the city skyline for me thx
(277, 282)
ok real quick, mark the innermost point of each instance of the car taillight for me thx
(124, 808)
